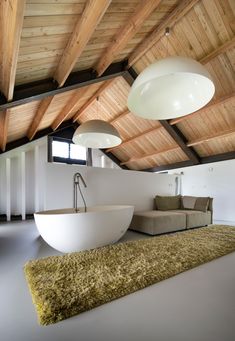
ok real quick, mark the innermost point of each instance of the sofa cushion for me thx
(196, 218)
(202, 204)
(164, 203)
(156, 222)
(188, 202)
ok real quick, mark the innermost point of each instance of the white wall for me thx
(216, 180)
(105, 186)
(22, 179)
(28, 183)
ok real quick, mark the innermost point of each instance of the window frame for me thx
(59, 159)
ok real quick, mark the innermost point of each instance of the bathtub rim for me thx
(90, 209)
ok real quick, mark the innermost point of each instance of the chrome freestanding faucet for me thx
(76, 186)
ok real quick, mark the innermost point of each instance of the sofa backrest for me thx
(167, 200)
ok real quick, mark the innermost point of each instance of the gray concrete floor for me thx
(198, 305)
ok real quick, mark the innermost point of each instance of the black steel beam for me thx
(65, 130)
(38, 90)
(218, 157)
(114, 159)
(188, 163)
(44, 132)
(173, 131)
(180, 139)
(180, 164)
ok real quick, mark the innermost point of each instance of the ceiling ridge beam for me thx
(4, 122)
(210, 137)
(41, 111)
(102, 88)
(86, 25)
(209, 106)
(181, 10)
(219, 50)
(136, 137)
(125, 33)
(11, 19)
(133, 159)
(38, 90)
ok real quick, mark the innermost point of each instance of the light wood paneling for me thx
(11, 20)
(91, 16)
(4, 120)
(18, 127)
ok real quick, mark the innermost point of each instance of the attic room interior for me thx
(117, 163)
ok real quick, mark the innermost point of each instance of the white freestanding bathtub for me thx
(68, 231)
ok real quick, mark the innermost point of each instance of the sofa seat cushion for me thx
(156, 222)
(196, 218)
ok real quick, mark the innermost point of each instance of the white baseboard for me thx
(224, 222)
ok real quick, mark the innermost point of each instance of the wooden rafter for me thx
(4, 120)
(209, 106)
(125, 33)
(133, 159)
(183, 8)
(67, 109)
(221, 49)
(210, 137)
(119, 116)
(103, 87)
(11, 21)
(180, 139)
(134, 138)
(91, 16)
(42, 109)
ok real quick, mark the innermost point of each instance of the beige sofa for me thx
(174, 213)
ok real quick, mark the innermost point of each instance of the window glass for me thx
(60, 149)
(77, 152)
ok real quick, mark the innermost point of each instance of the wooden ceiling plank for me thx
(182, 9)
(119, 116)
(133, 159)
(136, 137)
(103, 87)
(42, 109)
(176, 134)
(221, 49)
(11, 22)
(208, 138)
(209, 106)
(4, 121)
(86, 25)
(123, 36)
(63, 114)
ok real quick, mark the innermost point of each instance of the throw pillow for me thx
(188, 202)
(202, 204)
(165, 203)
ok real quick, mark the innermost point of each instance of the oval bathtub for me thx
(68, 231)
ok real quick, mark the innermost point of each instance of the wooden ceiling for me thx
(64, 61)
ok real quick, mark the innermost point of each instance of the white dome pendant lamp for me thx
(96, 134)
(170, 88)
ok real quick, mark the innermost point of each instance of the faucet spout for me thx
(76, 186)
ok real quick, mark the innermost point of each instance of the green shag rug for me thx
(63, 286)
